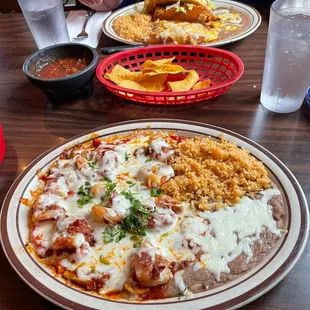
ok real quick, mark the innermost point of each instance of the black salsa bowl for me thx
(73, 87)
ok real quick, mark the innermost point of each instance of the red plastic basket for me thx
(222, 67)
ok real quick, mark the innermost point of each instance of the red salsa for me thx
(62, 67)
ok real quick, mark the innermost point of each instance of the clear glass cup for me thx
(46, 20)
(287, 61)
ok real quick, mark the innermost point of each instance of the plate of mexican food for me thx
(182, 22)
(154, 213)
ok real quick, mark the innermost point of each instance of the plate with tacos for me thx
(182, 22)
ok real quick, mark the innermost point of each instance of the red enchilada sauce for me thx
(62, 68)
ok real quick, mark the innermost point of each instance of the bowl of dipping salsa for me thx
(63, 71)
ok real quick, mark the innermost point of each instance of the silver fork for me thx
(84, 35)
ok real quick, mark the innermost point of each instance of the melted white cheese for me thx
(244, 221)
(68, 265)
(178, 279)
(158, 149)
(48, 199)
(109, 164)
(63, 225)
(165, 171)
(120, 205)
(44, 231)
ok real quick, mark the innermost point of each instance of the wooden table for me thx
(32, 125)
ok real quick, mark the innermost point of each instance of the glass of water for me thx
(46, 20)
(287, 62)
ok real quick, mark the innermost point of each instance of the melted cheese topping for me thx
(195, 33)
(208, 240)
(183, 32)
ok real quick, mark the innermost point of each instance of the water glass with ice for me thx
(46, 20)
(287, 62)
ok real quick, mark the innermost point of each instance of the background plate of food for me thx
(187, 22)
(176, 214)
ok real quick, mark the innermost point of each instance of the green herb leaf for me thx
(110, 188)
(103, 260)
(148, 160)
(131, 184)
(92, 164)
(135, 238)
(106, 179)
(84, 193)
(108, 235)
(127, 156)
(136, 222)
(137, 244)
(121, 234)
(155, 192)
(164, 235)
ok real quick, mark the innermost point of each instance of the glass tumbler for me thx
(287, 61)
(46, 20)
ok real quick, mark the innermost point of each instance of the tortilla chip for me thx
(186, 84)
(155, 83)
(120, 74)
(202, 84)
(132, 85)
(170, 69)
(146, 78)
(154, 87)
(157, 63)
(161, 66)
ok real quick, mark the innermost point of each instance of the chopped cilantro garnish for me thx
(135, 223)
(121, 234)
(155, 192)
(84, 193)
(148, 160)
(137, 244)
(135, 238)
(103, 260)
(92, 165)
(108, 235)
(127, 156)
(131, 184)
(110, 188)
(106, 179)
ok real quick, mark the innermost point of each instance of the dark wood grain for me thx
(32, 125)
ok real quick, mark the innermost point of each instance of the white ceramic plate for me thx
(273, 268)
(246, 10)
